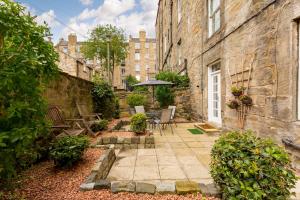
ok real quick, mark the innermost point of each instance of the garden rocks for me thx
(145, 188)
(125, 186)
(165, 188)
(185, 187)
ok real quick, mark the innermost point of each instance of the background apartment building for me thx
(71, 60)
(140, 61)
(218, 42)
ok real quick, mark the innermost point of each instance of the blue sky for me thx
(80, 16)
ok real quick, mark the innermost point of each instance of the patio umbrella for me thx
(153, 83)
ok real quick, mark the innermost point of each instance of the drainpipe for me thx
(202, 75)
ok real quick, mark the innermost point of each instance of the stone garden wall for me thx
(66, 91)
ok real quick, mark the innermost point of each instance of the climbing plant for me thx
(27, 64)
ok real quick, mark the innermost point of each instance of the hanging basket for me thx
(246, 100)
(233, 104)
(237, 92)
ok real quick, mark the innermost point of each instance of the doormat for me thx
(196, 131)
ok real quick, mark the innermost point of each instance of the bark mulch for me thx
(43, 182)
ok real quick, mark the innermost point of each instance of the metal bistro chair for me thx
(164, 121)
(173, 114)
(140, 109)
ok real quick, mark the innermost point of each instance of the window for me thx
(65, 49)
(138, 77)
(137, 68)
(78, 49)
(147, 56)
(179, 11)
(137, 45)
(214, 14)
(123, 71)
(147, 67)
(137, 56)
(147, 45)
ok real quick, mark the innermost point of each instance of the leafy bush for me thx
(138, 123)
(178, 80)
(100, 126)
(247, 167)
(136, 100)
(130, 81)
(27, 64)
(164, 96)
(103, 98)
(68, 150)
(117, 108)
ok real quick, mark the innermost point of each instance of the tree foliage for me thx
(27, 64)
(104, 98)
(96, 46)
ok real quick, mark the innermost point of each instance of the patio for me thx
(182, 156)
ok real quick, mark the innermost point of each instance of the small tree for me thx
(27, 64)
(97, 46)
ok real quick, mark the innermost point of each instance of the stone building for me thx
(71, 60)
(140, 61)
(221, 44)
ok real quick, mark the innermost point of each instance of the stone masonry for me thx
(261, 33)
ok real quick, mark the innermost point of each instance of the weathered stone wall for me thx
(182, 103)
(265, 30)
(66, 91)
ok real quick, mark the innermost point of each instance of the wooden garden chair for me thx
(88, 118)
(164, 121)
(69, 127)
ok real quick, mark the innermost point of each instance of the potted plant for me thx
(246, 100)
(138, 123)
(237, 91)
(233, 104)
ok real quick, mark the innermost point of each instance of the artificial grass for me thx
(196, 131)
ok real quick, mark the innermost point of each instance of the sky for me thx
(81, 16)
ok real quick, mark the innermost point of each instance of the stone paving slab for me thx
(182, 156)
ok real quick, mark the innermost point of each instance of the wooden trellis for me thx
(242, 79)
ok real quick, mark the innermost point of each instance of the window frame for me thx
(212, 29)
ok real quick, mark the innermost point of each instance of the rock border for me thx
(178, 187)
(100, 170)
(136, 142)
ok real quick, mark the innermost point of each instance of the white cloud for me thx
(49, 18)
(86, 2)
(121, 13)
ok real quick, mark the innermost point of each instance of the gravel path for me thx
(42, 181)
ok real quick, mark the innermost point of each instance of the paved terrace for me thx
(182, 156)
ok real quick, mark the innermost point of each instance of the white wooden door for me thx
(214, 94)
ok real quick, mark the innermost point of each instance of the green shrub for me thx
(103, 98)
(178, 80)
(68, 150)
(130, 81)
(248, 167)
(100, 126)
(138, 123)
(27, 65)
(136, 100)
(117, 108)
(164, 96)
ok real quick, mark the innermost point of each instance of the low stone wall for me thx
(183, 103)
(66, 91)
(138, 142)
(100, 169)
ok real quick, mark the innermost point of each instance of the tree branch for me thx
(1, 41)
